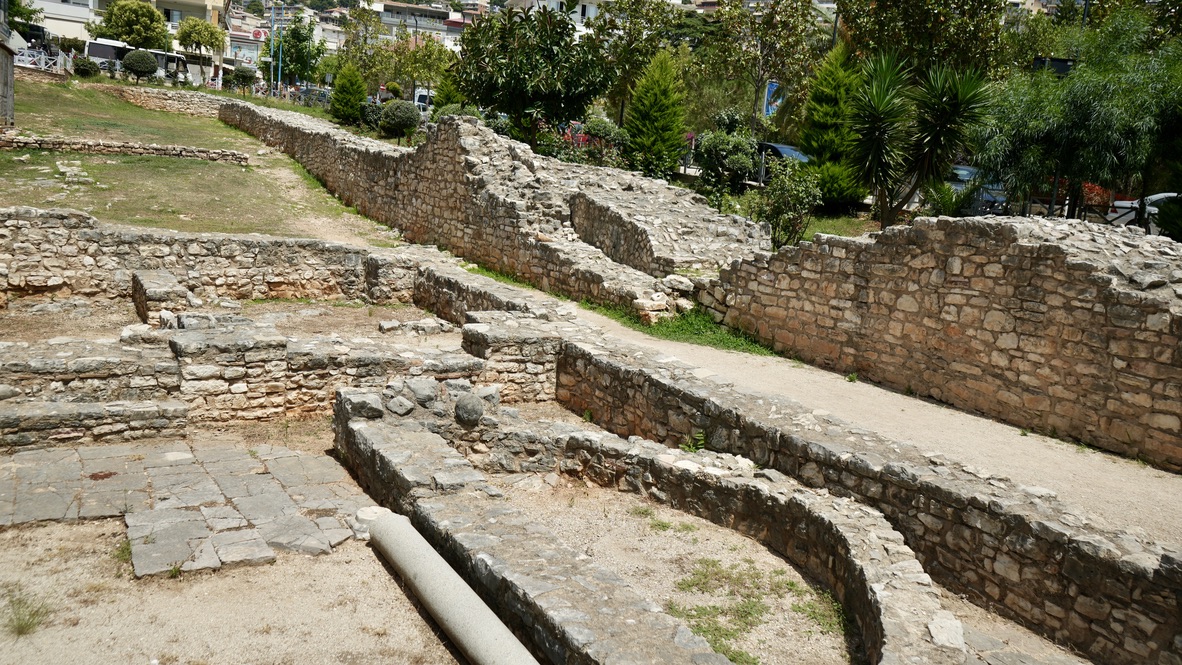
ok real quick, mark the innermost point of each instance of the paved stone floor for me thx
(188, 507)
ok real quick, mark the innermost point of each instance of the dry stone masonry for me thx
(1066, 327)
(14, 141)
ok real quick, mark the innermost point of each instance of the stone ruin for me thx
(1049, 324)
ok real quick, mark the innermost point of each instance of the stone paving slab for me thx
(188, 507)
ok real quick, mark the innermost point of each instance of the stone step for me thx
(64, 369)
(158, 296)
(45, 424)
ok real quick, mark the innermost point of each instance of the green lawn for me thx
(839, 226)
(70, 110)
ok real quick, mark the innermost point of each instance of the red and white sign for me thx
(260, 34)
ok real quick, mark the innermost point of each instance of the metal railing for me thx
(38, 59)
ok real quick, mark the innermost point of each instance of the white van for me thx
(109, 53)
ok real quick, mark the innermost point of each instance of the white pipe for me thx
(472, 626)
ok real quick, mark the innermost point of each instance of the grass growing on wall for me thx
(498, 276)
(693, 327)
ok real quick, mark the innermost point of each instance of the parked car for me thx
(1122, 213)
(769, 152)
(314, 97)
(991, 197)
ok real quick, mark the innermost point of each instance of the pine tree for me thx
(826, 135)
(347, 96)
(656, 119)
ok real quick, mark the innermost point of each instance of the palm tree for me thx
(908, 133)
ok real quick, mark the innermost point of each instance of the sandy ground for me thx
(345, 607)
(616, 530)
(1120, 492)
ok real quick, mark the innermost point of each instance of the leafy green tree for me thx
(633, 31)
(347, 96)
(726, 155)
(22, 13)
(135, 22)
(256, 7)
(656, 119)
(365, 49)
(326, 67)
(764, 42)
(301, 50)
(529, 66)
(140, 63)
(1068, 12)
(196, 35)
(910, 133)
(243, 78)
(962, 34)
(786, 205)
(423, 59)
(400, 119)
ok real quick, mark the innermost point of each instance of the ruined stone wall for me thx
(1109, 594)
(1069, 328)
(11, 141)
(158, 99)
(67, 252)
(35, 75)
(65, 370)
(72, 423)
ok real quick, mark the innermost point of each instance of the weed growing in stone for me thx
(174, 572)
(823, 610)
(497, 276)
(694, 443)
(587, 416)
(26, 612)
(852, 377)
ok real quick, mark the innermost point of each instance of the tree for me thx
(420, 58)
(193, 34)
(135, 22)
(140, 63)
(301, 51)
(400, 118)
(786, 205)
(365, 49)
(962, 34)
(1068, 12)
(22, 13)
(656, 119)
(243, 78)
(909, 133)
(767, 41)
(826, 136)
(633, 31)
(446, 93)
(256, 7)
(347, 96)
(529, 66)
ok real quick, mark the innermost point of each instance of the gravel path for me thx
(1120, 492)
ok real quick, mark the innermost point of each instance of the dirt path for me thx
(1120, 492)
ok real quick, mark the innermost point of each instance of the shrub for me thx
(438, 112)
(347, 96)
(841, 189)
(86, 68)
(788, 202)
(727, 159)
(730, 120)
(140, 63)
(393, 89)
(498, 124)
(941, 199)
(371, 115)
(243, 78)
(400, 119)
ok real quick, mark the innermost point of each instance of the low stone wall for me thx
(157, 292)
(67, 252)
(1069, 328)
(453, 293)
(12, 141)
(38, 75)
(67, 370)
(186, 102)
(71, 423)
(1110, 595)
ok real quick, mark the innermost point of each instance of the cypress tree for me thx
(347, 96)
(656, 119)
(826, 135)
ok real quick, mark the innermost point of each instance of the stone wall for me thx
(12, 141)
(1109, 594)
(67, 252)
(159, 99)
(1069, 328)
(38, 75)
(72, 423)
(70, 370)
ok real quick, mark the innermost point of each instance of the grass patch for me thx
(849, 227)
(273, 103)
(694, 327)
(660, 525)
(26, 612)
(62, 108)
(498, 276)
(122, 553)
(185, 195)
(824, 611)
(641, 511)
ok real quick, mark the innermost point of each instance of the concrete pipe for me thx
(473, 627)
